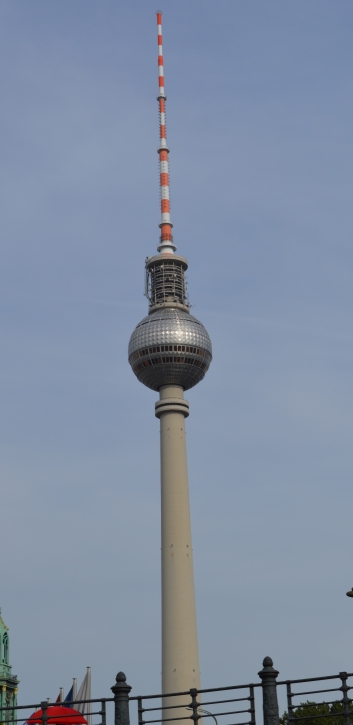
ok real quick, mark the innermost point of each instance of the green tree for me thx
(318, 714)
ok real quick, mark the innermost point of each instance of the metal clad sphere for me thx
(170, 347)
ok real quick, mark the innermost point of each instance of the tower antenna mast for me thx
(166, 238)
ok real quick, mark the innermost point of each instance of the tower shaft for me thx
(180, 659)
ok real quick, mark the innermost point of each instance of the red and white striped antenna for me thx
(166, 239)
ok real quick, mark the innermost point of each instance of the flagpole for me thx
(84, 693)
(89, 710)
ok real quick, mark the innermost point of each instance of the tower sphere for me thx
(170, 347)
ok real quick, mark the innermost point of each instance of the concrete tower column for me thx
(180, 658)
(170, 351)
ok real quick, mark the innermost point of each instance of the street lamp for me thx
(350, 593)
(207, 712)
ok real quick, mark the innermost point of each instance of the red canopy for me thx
(58, 715)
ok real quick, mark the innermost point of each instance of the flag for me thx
(84, 693)
(71, 695)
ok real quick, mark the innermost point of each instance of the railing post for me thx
(252, 705)
(140, 711)
(269, 692)
(345, 700)
(44, 706)
(103, 713)
(290, 703)
(194, 705)
(121, 700)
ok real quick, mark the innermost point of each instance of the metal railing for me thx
(192, 706)
(312, 710)
(234, 705)
(9, 715)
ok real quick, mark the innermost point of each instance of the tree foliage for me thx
(318, 714)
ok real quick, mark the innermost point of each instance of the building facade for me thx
(8, 681)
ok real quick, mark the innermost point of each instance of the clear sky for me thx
(260, 116)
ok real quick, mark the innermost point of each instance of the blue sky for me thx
(259, 120)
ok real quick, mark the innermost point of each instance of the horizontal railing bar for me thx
(57, 717)
(23, 719)
(218, 714)
(312, 679)
(159, 697)
(64, 703)
(91, 713)
(219, 702)
(209, 689)
(240, 723)
(170, 719)
(231, 687)
(314, 692)
(248, 722)
(166, 707)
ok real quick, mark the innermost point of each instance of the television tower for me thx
(170, 351)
